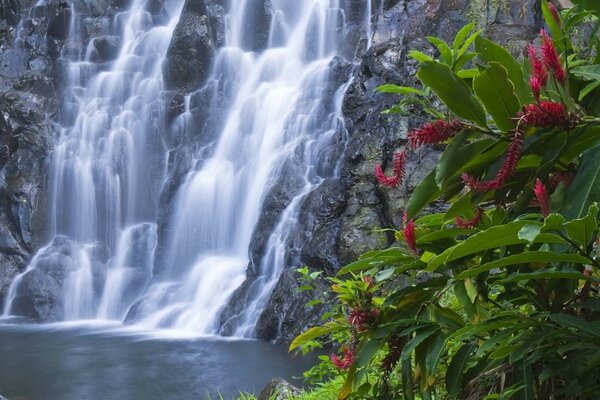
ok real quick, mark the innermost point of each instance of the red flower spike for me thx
(551, 58)
(469, 223)
(538, 70)
(345, 362)
(555, 13)
(536, 87)
(541, 193)
(506, 170)
(399, 166)
(410, 237)
(564, 177)
(545, 114)
(369, 280)
(433, 132)
(361, 320)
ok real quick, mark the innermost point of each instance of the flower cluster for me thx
(346, 361)
(545, 65)
(409, 233)
(399, 166)
(506, 170)
(545, 114)
(469, 223)
(362, 319)
(434, 132)
(541, 193)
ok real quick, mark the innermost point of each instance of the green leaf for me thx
(316, 332)
(453, 91)
(405, 90)
(585, 189)
(530, 232)
(588, 89)
(407, 380)
(425, 193)
(528, 257)
(467, 44)
(444, 49)
(496, 92)
(555, 29)
(454, 374)
(492, 238)
(581, 326)
(493, 52)
(545, 274)
(419, 337)
(468, 73)
(462, 34)
(588, 72)
(436, 348)
(419, 56)
(368, 351)
(583, 230)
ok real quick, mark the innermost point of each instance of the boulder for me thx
(191, 51)
(278, 389)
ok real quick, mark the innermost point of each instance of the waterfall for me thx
(280, 121)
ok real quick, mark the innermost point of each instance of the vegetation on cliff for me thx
(505, 303)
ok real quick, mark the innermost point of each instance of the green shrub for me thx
(506, 304)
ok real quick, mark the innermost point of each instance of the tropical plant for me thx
(505, 303)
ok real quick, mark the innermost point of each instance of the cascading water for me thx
(282, 118)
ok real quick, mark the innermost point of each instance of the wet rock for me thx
(257, 25)
(191, 51)
(9, 269)
(60, 19)
(106, 48)
(288, 314)
(278, 389)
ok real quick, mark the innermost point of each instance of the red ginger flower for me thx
(433, 132)
(369, 280)
(363, 319)
(541, 193)
(538, 71)
(469, 223)
(409, 234)
(564, 177)
(506, 170)
(551, 58)
(399, 167)
(536, 87)
(345, 362)
(545, 114)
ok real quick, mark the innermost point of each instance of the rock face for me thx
(29, 41)
(192, 47)
(278, 389)
(340, 219)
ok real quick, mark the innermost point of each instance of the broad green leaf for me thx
(460, 291)
(445, 233)
(530, 232)
(454, 374)
(495, 237)
(545, 274)
(419, 337)
(407, 380)
(435, 350)
(496, 92)
(523, 376)
(419, 56)
(503, 352)
(584, 230)
(585, 189)
(468, 73)
(580, 325)
(346, 389)
(316, 332)
(405, 90)
(467, 44)
(528, 257)
(368, 351)
(453, 91)
(457, 155)
(493, 52)
(589, 88)
(588, 72)
(425, 193)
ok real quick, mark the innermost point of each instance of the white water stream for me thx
(109, 167)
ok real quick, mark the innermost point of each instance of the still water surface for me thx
(105, 362)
